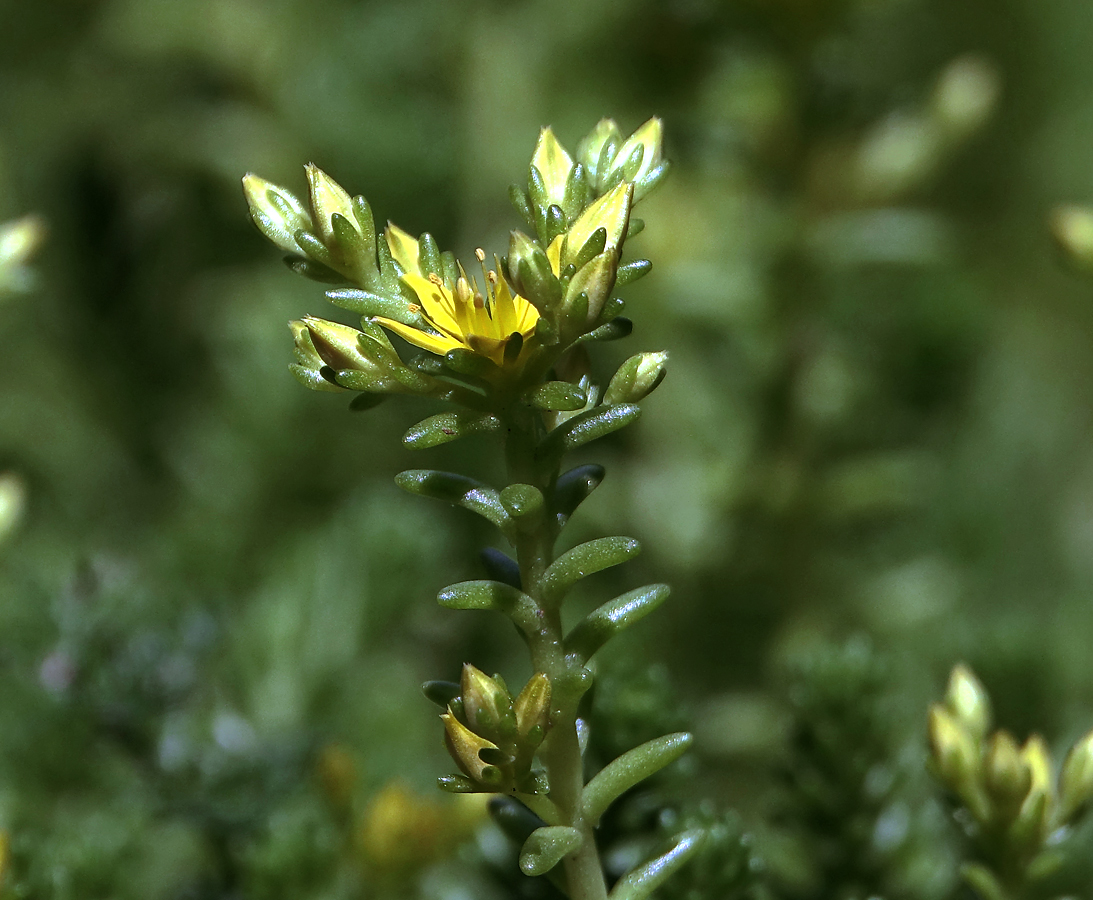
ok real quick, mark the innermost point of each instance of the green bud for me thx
(967, 699)
(1076, 779)
(531, 274)
(339, 346)
(598, 149)
(486, 702)
(1037, 808)
(309, 368)
(636, 378)
(554, 165)
(955, 758)
(327, 198)
(649, 140)
(1005, 774)
(532, 708)
(276, 211)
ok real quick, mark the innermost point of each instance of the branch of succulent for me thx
(499, 346)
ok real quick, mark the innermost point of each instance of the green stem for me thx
(561, 752)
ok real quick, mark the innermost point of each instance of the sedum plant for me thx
(506, 346)
(1015, 810)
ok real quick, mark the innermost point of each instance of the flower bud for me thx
(1006, 776)
(532, 708)
(610, 212)
(636, 378)
(598, 149)
(530, 272)
(967, 699)
(276, 211)
(309, 365)
(554, 166)
(595, 280)
(327, 199)
(338, 346)
(650, 138)
(486, 703)
(1076, 779)
(955, 757)
(465, 746)
(1036, 809)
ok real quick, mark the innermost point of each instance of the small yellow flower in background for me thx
(402, 830)
(464, 318)
(337, 772)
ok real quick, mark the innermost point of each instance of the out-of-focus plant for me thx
(1015, 810)
(510, 352)
(19, 241)
(850, 806)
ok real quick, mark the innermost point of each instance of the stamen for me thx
(463, 290)
(480, 254)
(435, 279)
(479, 300)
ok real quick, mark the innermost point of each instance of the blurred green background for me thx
(217, 608)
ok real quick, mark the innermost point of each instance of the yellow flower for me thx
(464, 318)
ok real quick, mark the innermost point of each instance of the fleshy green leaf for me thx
(521, 500)
(618, 328)
(467, 362)
(500, 567)
(632, 271)
(449, 426)
(314, 270)
(546, 847)
(557, 395)
(457, 489)
(584, 560)
(493, 595)
(440, 692)
(513, 818)
(634, 766)
(982, 881)
(365, 303)
(588, 426)
(642, 881)
(457, 784)
(602, 624)
(573, 487)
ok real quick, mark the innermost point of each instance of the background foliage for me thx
(872, 455)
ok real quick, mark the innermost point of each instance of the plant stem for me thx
(561, 752)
